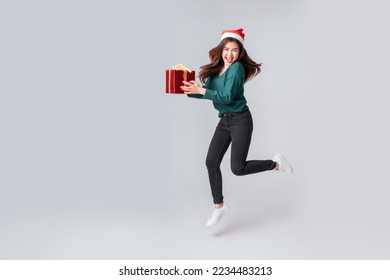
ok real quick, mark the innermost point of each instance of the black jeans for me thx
(234, 128)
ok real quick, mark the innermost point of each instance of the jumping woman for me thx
(223, 82)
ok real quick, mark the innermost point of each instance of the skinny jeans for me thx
(235, 129)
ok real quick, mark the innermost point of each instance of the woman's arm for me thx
(233, 82)
(226, 95)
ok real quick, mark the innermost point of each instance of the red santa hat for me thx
(234, 33)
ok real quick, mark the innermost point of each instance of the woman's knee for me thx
(211, 163)
(238, 170)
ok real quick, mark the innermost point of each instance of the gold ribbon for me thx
(169, 80)
(181, 67)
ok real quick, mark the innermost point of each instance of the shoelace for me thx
(211, 210)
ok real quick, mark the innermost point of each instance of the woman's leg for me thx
(241, 128)
(217, 149)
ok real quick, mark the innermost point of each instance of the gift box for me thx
(175, 78)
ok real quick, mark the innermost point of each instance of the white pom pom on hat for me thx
(234, 33)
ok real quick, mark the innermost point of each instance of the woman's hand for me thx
(192, 87)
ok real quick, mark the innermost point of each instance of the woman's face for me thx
(230, 53)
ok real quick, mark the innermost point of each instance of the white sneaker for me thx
(284, 165)
(217, 214)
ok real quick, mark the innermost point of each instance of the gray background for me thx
(97, 162)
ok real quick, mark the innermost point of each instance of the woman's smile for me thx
(230, 53)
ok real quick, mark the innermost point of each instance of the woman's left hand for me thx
(193, 87)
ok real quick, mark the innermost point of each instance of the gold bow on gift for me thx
(181, 67)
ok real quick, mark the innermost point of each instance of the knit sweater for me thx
(226, 91)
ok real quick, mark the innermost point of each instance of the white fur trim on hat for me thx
(237, 34)
(232, 35)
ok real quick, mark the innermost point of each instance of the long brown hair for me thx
(251, 68)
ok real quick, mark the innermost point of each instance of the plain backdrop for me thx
(97, 162)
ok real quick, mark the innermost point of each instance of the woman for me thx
(224, 79)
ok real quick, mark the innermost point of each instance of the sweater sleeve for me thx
(234, 80)
(199, 96)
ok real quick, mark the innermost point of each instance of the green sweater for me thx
(226, 91)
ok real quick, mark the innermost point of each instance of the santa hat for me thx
(234, 33)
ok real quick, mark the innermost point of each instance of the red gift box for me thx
(175, 78)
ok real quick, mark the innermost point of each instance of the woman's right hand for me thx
(193, 87)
